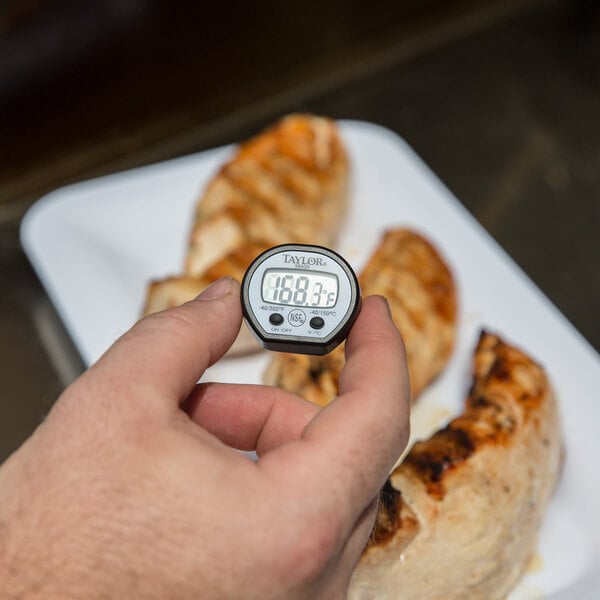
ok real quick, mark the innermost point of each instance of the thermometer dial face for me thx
(300, 298)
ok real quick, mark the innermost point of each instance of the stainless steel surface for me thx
(505, 111)
(37, 358)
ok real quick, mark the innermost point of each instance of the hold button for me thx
(317, 323)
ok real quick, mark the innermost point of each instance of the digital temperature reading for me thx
(300, 288)
(300, 298)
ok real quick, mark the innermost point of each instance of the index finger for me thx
(354, 442)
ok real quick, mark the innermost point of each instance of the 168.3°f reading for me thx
(306, 288)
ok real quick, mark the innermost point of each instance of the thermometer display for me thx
(291, 287)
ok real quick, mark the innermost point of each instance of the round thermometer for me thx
(299, 298)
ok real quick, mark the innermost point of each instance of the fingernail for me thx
(387, 306)
(216, 290)
(386, 303)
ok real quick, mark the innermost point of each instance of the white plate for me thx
(95, 245)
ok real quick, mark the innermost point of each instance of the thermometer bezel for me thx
(297, 335)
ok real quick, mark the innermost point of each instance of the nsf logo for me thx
(296, 317)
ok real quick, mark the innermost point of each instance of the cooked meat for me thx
(420, 290)
(287, 185)
(459, 517)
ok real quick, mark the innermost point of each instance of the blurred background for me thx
(500, 97)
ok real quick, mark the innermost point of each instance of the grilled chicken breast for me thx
(418, 285)
(460, 516)
(287, 185)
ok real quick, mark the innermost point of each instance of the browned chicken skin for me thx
(459, 517)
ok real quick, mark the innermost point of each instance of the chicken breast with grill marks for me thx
(410, 273)
(287, 185)
(459, 517)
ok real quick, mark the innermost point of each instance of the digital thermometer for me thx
(300, 298)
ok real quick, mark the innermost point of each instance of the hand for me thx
(131, 488)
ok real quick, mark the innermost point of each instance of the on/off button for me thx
(317, 323)
(276, 318)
